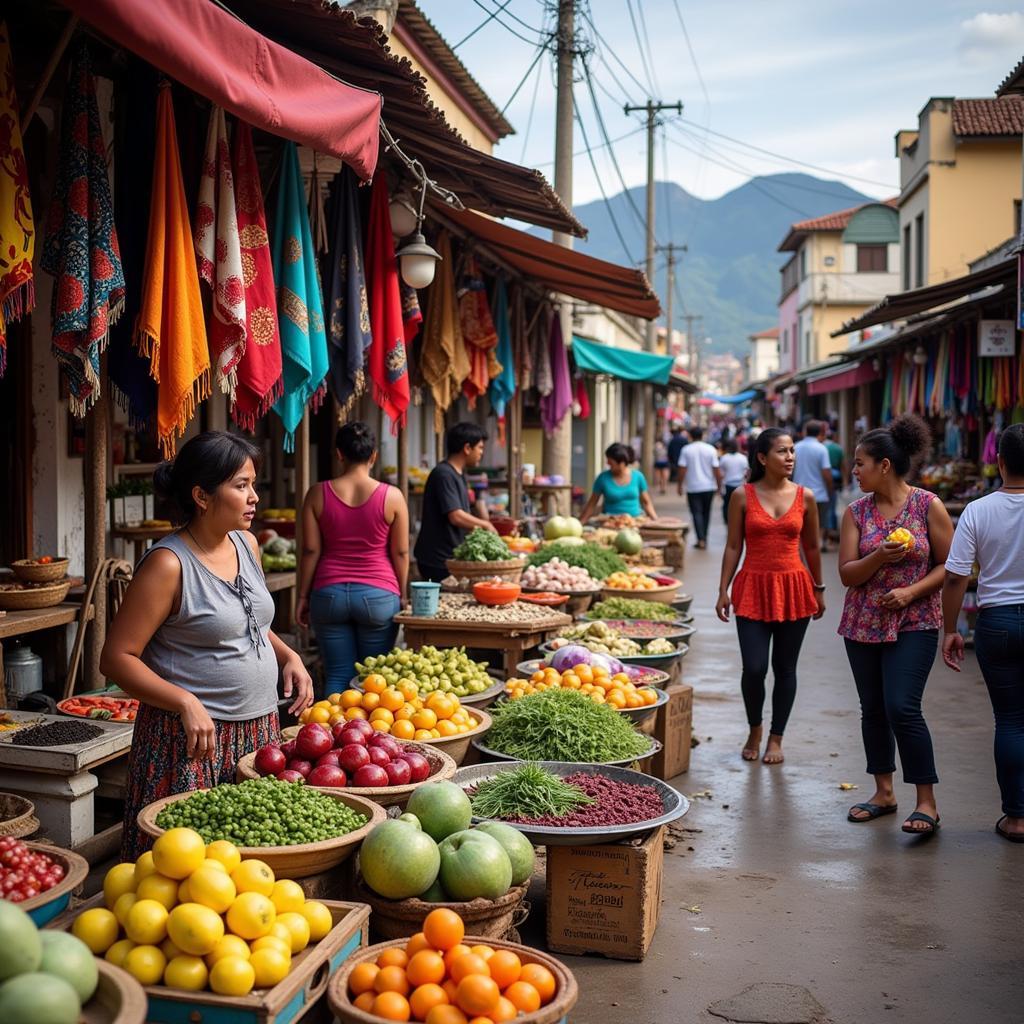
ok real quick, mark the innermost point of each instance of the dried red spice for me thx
(615, 803)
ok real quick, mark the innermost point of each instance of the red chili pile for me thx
(25, 873)
(615, 803)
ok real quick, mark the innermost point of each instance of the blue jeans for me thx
(352, 621)
(999, 645)
(890, 680)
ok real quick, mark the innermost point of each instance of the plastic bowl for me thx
(496, 593)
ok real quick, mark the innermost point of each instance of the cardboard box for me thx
(605, 899)
(673, 727)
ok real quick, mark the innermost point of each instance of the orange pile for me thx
(594, 680)
(438, 979)
(397, 710)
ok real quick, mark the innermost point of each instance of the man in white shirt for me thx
(700, 474)
(813, 470)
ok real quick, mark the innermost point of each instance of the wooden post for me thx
(97, 450)
(403, 460)
(48, 72)
(514, 411)
(302, 483)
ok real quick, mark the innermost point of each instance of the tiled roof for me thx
(1014, 81)
(993, 118)
(837, 221)
(772, 332)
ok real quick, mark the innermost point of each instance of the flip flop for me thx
(932, 823)
(874, 811)
(1013, 837)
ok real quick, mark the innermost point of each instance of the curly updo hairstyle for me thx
(356, 442)
(904, 442)
(620, 452)
(207, 461)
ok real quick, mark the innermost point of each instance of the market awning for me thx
(904, 304)
(621, 362)
(564, 270)
(737, 399)
(841, 377)
(207, 49)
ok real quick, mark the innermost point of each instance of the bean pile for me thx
(614, 803)
(262, 812)
(56, 734)
(459, 608)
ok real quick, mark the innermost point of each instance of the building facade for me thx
(763, 359)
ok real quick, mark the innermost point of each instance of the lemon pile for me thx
(194, 917)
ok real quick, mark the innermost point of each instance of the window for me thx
(803, 263)
(906, 258)
(872, 259)
(789, 276)
(1016, 217)
(919, 251)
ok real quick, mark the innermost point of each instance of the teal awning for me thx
(621, 362)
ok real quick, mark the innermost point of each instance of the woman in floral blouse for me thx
(892, 614)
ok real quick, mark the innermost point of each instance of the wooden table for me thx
(140, 536)
(549, 495)
(278, 583)
(21, 623)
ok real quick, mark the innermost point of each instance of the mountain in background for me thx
(730, 275)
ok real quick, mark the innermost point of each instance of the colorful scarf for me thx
(17, 229)
(478, 332)
(219, 254)
(412, 315)
(503, 386)
(80, 249)
(260, 383)
(389, 367)
(443, 360)
(543, 380)
(170, 328)
(347, 306)
(299, 302)
(581, 402)
(555, 405)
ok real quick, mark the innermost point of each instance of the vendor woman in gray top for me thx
(192, 639)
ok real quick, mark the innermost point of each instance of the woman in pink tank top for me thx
(355, 559)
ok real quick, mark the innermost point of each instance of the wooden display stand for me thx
(673, 728)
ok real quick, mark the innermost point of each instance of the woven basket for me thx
(33, 572)
(35, 597)
(511, 569)
(17, 816)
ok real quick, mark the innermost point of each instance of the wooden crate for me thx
(282, 1004)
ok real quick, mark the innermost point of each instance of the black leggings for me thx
(784, 639)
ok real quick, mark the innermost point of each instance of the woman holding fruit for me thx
(192, 639)
(893, 546)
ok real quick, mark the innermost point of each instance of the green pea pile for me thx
(449, 670)
(262, 812)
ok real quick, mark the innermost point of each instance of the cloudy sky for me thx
(827, 84)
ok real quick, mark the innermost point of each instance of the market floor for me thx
(772, 885)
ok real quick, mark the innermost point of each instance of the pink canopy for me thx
(210, 51)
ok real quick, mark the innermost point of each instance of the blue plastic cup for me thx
(425, 598)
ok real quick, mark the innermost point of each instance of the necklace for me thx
(188, 530)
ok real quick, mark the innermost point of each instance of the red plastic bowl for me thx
(496, 593)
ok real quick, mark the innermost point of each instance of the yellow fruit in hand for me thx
(98, 929)
(118, 880)
(144, 866)
(230, 945)
(146, 964)
(287, 896)
(212, 887)
(195, 929)
(270, 967)
(319, 918)
(178, 852)
(253, 876)
(146, 923)
(299, 928)
(901, 535)
(232, 976)
(124, 903)
(187, 972)
(251, 916)
(160, 888)
(224, 853)
(118, 951)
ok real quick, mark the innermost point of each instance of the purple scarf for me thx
(555, 405)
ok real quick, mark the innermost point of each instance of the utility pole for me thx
(651, 109)
(691, 348)
(670, 284)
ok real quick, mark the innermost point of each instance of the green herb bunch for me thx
(527, 791)
(598, 561)
(482, 546)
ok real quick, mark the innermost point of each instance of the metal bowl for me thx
(656, 678)
(662, 662)
(682, 602)
(625, 762)
(676, 805)
(650, 629)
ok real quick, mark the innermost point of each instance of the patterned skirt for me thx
(158, 765)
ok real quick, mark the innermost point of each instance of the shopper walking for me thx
(700, 474)
(661, 465)
(192, 638)
(774, 595)
(892, 614)
(620, 489)
(735, 468)
(991, 533)
(814, 471)
(676, 443)
(447, 517)
(355, 559)
(837, 460)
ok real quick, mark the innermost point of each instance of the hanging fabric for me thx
(259, 382)
(478, 332)
(543, 380)
(389, 367)
(300, 305)
(17, 228)
(171, 329)
(348, 310)
(581, 402)
(412, 315)
(503, 386)
(219, 255)
(80, 249)
(443, 360)
(554, 406)
(317, 212)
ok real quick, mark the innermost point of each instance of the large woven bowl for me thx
(32, 572)
(510, 569)
(47, 905)
(442, 768)
(118, 999)
(301, 860)
(566, 992)
(457, 747)
(35, 597)
(17, 816)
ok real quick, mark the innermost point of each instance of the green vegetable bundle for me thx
(598, 561)
(527, 791)
(563, 725)
(632, 608)
(482, 546)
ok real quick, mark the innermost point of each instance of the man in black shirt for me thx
(446, 509)
(677, 442)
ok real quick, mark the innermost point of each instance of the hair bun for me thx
(163, 480)
(911, 435)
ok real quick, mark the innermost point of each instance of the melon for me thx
(71, 959)
(629, 542)
(21, 950)
(38, 999)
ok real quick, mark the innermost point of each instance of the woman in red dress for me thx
(774, 595)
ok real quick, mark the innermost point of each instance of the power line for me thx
(533, 104)
(486, 21)
(600, 145)
(618, 60)
(647, 40)
(664, 166)
(508, 28)
(541, 50)
(693, 56)
(652, 88)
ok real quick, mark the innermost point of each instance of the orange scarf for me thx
(170, 328)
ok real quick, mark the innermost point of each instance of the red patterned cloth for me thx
(479, 334)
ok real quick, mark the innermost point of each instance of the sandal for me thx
(1013, 837)
(873, 811)
(932, 823)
